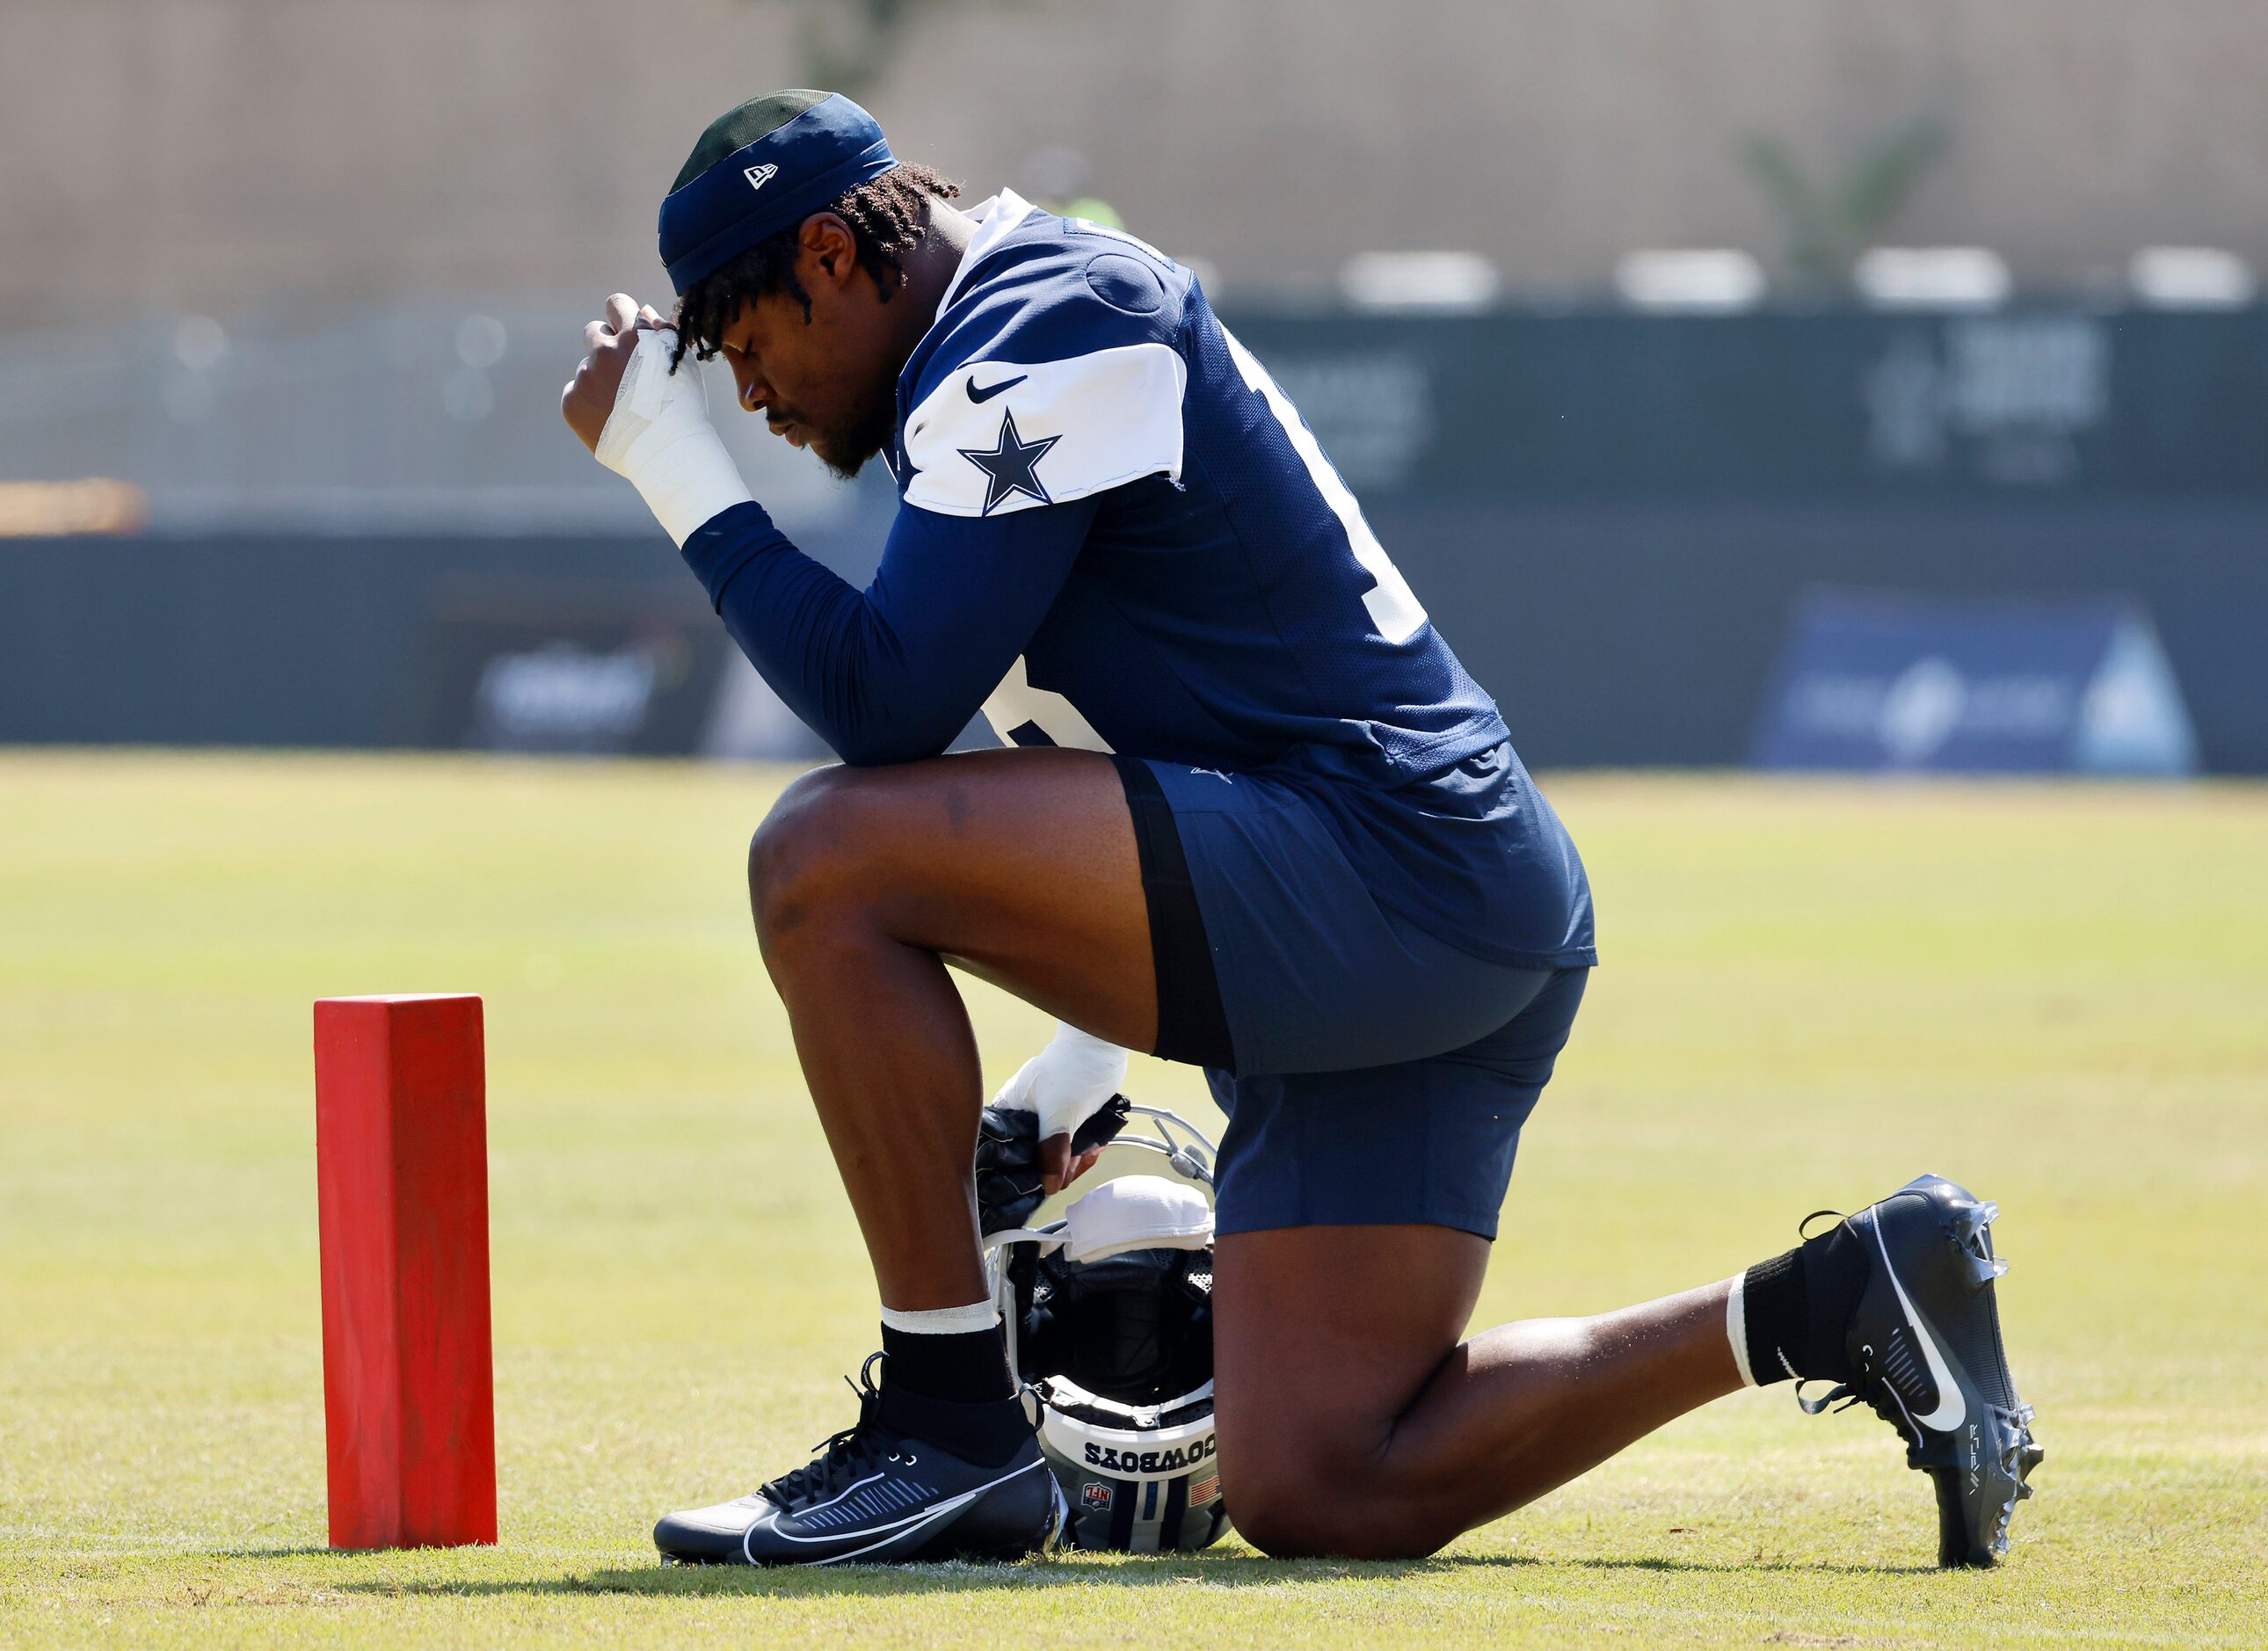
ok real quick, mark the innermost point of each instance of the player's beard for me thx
(846, 448)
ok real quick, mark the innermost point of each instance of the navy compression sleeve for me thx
(894, 671)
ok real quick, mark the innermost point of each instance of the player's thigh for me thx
(1323, 1337)
(1021, 864)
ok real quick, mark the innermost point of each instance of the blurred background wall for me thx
(203, 154)
(1649, 331)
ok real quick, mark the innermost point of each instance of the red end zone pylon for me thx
(401, 1167)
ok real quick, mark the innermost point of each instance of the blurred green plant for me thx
(1826, 225)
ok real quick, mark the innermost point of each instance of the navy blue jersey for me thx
(1116, 532)
(1229, 603)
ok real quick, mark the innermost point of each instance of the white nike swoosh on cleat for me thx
(884, 1534)
(941, 1511)
(1950, 1409)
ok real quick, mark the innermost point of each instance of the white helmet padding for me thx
(1137, 1213)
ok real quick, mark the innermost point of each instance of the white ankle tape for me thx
(943, 1320)
(1736, 1327)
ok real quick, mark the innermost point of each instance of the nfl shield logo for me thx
(1095, 1495)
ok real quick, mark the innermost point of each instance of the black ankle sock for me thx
(1779, 1318)
(967, 1369)
(1797, 1306)
(989, 1432)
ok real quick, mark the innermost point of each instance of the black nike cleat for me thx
(1923, 1346)
(873, 1495)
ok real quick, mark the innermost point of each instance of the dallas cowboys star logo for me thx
(1013, 466)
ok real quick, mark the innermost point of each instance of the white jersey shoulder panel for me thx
(998, 436)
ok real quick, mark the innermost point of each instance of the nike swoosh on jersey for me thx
(1950, 1409)
(992, 390)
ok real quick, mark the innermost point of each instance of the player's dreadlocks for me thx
(887, 218)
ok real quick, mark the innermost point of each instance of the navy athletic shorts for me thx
(1372, 1073)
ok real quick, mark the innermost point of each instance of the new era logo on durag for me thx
(759, 176)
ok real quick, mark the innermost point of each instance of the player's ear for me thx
(827, 243)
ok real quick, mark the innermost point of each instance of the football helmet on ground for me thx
(1108, 1313)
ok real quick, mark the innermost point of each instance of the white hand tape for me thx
(660, 437)
(1066, 1082)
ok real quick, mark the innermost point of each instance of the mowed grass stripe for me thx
(2057, 992)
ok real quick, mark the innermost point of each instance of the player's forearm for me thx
(826, 649)
(892, 673)
(887, 674)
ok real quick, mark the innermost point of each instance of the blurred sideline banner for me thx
(1628, 634)
(2035, 400)
(588, 668)
(1875, 681)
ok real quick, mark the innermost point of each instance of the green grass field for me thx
(2058, 994)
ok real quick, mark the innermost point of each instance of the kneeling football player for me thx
(1255, 816)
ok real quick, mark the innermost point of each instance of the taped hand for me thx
(1065, 1084)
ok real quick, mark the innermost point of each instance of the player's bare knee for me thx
(1275, 1517)
(1346, 1532)
(802, 858)
(1308, 1514)
(1304, 1491)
